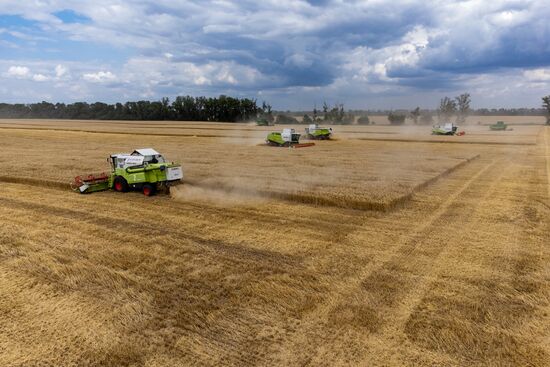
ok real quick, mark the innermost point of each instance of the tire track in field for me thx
(230, 343)
(402, 266)
(423, 264)
(237, 251)
(351, 285)
(512, 258)
(405, 140)
(165, 210)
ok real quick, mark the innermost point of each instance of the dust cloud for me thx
(218, 196)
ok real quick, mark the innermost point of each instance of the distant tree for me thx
(415, 114)
(447, 109)
(396, 118)
(266, 112)
(307, 119)
(223, 108)
(363, 120)
(45, 109)
(463, 107)
(546, 106)
(102, 111)
(166, 111)
(337, 114)
(316, 114)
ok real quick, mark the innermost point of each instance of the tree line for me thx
(229, 109)
(546, 107)
(183, 108)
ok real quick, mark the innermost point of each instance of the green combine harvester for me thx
(283, 139)
(286, 138)
(145, 170)
(447, 129)
(315, 132)
(499, 126)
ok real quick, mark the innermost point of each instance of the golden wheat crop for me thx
(346, 173)
(272, 256)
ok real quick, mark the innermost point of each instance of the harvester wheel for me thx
(120, 184)
(148, 190)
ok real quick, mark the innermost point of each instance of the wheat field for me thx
(384, 247)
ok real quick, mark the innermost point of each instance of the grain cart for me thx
(143, 169)
(315, 132)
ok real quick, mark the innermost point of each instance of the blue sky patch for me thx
(69, 16)
(10, 21)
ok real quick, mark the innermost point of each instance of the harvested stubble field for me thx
(270, 256)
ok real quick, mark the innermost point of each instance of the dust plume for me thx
(219, 196)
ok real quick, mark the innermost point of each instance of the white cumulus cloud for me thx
(99, 77)
(60, 71)
(40, 78)
(538, 75)
(18, 71)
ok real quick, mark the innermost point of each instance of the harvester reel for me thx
(76, 183)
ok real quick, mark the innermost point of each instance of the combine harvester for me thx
(144, 169)
(448, 129)
(315, 132)
(499, 126)
(288, 138)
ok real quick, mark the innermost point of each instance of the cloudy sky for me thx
(293, 54)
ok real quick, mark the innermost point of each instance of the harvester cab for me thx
(143, 169)
(448, 129)
(139, 157)
(286, 138)
(315, 132)
(290, 135)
